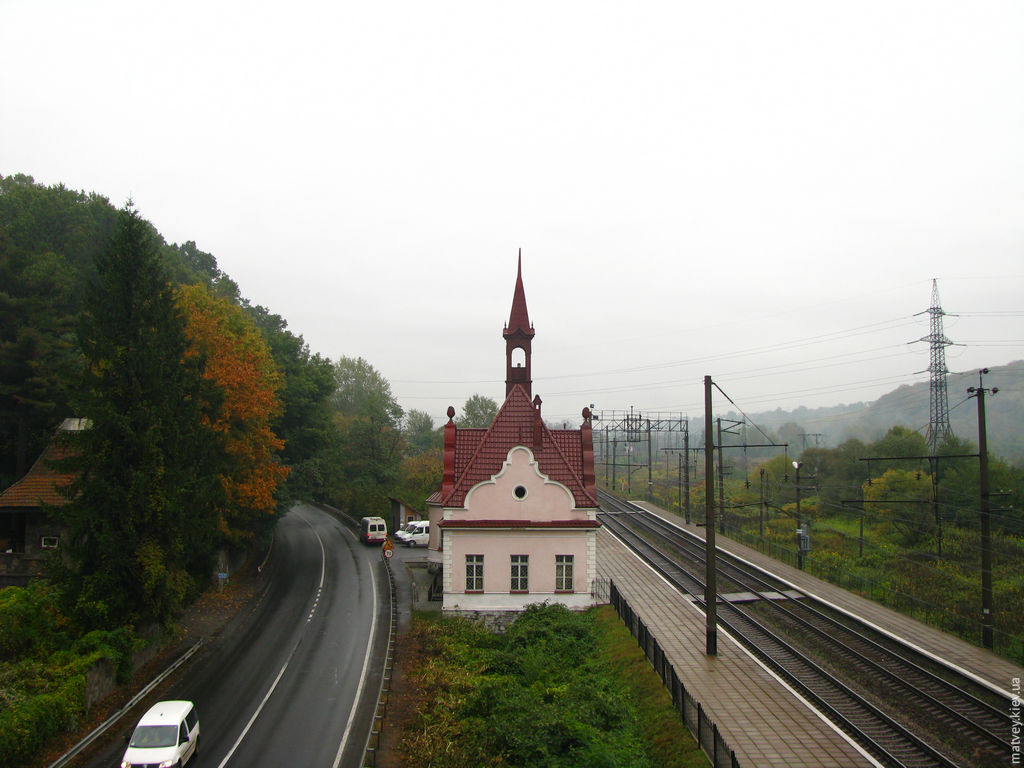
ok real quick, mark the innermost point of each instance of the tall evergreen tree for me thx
(144, 505)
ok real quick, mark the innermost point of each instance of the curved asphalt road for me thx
(294, 680)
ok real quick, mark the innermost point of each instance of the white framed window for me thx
(563, 573)
(474, 573)
(49, 542)
(520, 573)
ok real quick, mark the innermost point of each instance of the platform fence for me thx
(697, 721)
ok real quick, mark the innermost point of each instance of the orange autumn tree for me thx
(239, 364)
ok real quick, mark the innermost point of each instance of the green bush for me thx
(26, 726)
(42, 669)
(540, 694)
(30, 622)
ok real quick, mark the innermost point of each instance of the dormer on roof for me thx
(518, 339)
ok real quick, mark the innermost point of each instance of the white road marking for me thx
(266, 698)
(362, 676)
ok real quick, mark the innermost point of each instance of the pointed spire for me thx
(519, 318)
(518, 336)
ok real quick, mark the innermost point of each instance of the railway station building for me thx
(515, 519)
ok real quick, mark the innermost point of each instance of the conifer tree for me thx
(143, 509)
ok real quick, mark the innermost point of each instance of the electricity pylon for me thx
(938, 411)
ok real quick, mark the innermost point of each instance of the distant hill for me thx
(909, 406)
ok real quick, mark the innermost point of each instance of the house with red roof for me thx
(514, 521)
(27, 530)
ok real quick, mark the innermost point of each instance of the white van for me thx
(415, 534)
(168, 734)
(373, 530)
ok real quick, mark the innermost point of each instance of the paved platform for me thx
(761, 719)
(984, 665)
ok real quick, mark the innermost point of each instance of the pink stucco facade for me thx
(519, 512)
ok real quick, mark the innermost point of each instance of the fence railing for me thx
(384, 695)
(696, 719)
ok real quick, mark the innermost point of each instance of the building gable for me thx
(519, 491)
(518, 423)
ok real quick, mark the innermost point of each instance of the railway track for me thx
(903, 707)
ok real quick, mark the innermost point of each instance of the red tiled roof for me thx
(480, 454)
(466, 444)
(43, 484)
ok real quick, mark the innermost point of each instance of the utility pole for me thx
(799, 524)
(650, 465)
(686, 475)
(722, 466)
(721, 479)
(683, 484)
(629, 469)
(679, 502)
(933, 466)
(710, 579)
(987, 634)
(815, 435)
(760, 527)
(606, 467)
(615, 444)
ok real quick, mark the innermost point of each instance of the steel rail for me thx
(867, 724)
(895, 661)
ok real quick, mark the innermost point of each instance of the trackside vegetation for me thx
(883, 522)
(559, 688)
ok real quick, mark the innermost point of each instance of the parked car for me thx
(415, 534)
(167, 735)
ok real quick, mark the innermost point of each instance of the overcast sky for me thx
(757, 191)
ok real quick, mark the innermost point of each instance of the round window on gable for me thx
(520, 492)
